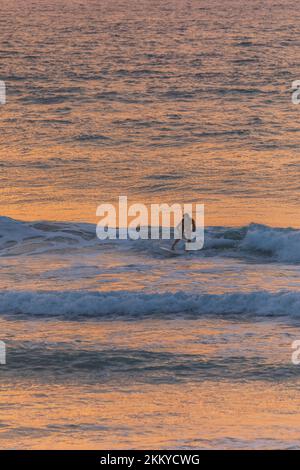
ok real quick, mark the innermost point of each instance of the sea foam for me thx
(128, 305)
(26, 238)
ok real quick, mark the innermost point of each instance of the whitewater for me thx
(111, 338)
(62, 270)
(115, 344)
(277, 244)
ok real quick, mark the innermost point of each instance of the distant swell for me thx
(127, 305)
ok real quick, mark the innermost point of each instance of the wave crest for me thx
(26, 238)
(128, 305)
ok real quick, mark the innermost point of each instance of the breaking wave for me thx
(129, 305)
(27, 238)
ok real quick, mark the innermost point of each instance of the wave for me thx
(130, 305)
(283, 244)
(26, 238)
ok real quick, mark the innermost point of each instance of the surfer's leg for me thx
(189, 241)
(175, 243)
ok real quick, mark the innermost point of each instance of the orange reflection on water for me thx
(203, 415)
(50, 399)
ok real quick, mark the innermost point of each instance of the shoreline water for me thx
(114, 345)
(176, 384)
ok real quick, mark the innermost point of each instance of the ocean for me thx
(116, 344)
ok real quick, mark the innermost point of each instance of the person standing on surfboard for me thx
(185, 229)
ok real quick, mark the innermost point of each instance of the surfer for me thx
(184, 229)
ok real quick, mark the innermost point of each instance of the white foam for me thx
(18, 238)
(282, 244)
(136, 304)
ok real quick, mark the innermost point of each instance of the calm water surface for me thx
(180, 100)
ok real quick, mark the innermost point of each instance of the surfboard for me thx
(172, 252)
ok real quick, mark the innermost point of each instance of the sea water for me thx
(115, 344)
